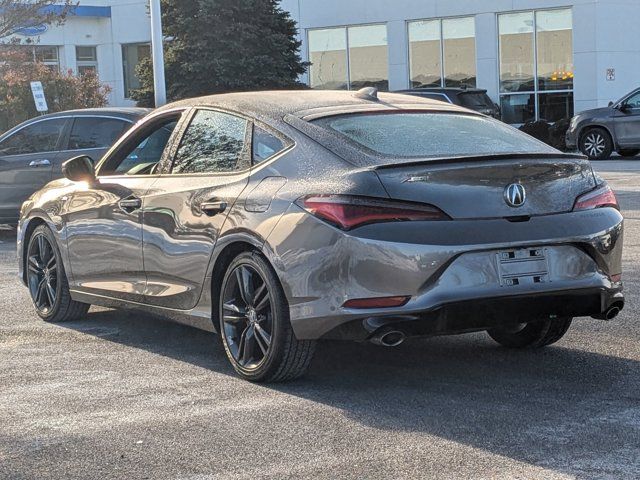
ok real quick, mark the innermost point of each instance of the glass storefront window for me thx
(424, 54)
(459, 43)
(536, 60)
(132, 55)
(328, 57)
(442, 53)
(555, 50)
(555, 106)
(368, 57)
(349, 57)
(518, 108)
(516, 52)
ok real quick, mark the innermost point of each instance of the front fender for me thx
(30, 219)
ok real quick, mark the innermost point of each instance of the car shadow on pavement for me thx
(570, 411)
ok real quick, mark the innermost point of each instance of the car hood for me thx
(596, 113)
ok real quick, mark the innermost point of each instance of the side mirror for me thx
(79, 169)
(610, 104)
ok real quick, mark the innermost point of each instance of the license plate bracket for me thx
(523, 266)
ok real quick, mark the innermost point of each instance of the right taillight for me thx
(601, 197)
(350, 211)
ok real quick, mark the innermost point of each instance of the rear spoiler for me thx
(476, 158)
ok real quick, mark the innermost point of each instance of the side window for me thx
(141, 153)
(265, 145)
(95, 132)
(37, 138)
(634, 101)
(214, 142)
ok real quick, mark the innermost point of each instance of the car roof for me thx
(113, 111)
(275, 105)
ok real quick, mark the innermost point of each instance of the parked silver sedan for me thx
(31, 153)
(281, 218)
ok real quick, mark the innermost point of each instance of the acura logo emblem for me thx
(515, 195)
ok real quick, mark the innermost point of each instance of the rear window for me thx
(475, 100)
(407, 135)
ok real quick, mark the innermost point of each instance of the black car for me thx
(471, 98)
(31, 153)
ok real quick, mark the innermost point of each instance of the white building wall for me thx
(605, 36)
(129, 23)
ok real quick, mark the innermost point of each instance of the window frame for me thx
(49, 63)
(125, 84)
(536, 92)
(440, 21)
(74, 118)
(133, 135)
(347, 52)
(62, 138)
(287, 143)
(247, 152)
(87, 63)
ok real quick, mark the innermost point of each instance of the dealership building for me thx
(539, 59)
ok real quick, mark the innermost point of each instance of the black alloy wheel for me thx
(254, 324)
(43, 274)
(47, 280)
(247, 316)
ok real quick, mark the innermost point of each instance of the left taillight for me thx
(599, 198)
(350, 211)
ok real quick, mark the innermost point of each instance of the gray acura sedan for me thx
(281, 218)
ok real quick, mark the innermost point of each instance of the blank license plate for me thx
(523, 266)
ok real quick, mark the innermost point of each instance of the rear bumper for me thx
(441, 265)
(486, 313)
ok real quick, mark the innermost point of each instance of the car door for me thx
(91, 136)
(27, 156)
(188, 206)
(104, 221)
(627, 122)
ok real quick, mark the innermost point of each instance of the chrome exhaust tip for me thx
(609, 314)
(388, 338)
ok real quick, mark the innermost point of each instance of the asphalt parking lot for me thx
(125, 395)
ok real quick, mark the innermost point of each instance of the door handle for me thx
(130, 204)
(213, 208)
(40, 163)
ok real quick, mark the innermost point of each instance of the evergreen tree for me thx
(216, 46)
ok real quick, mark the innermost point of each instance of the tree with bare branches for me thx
(17, 14)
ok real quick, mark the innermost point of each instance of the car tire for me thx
(47, 280)
(628, 153)
(531, 335)
(596, 144)
(254, 323)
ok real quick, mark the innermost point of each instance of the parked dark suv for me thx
(597, 133)
(31, 153)
(471, 98)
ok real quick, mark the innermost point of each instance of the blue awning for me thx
(81, 11)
